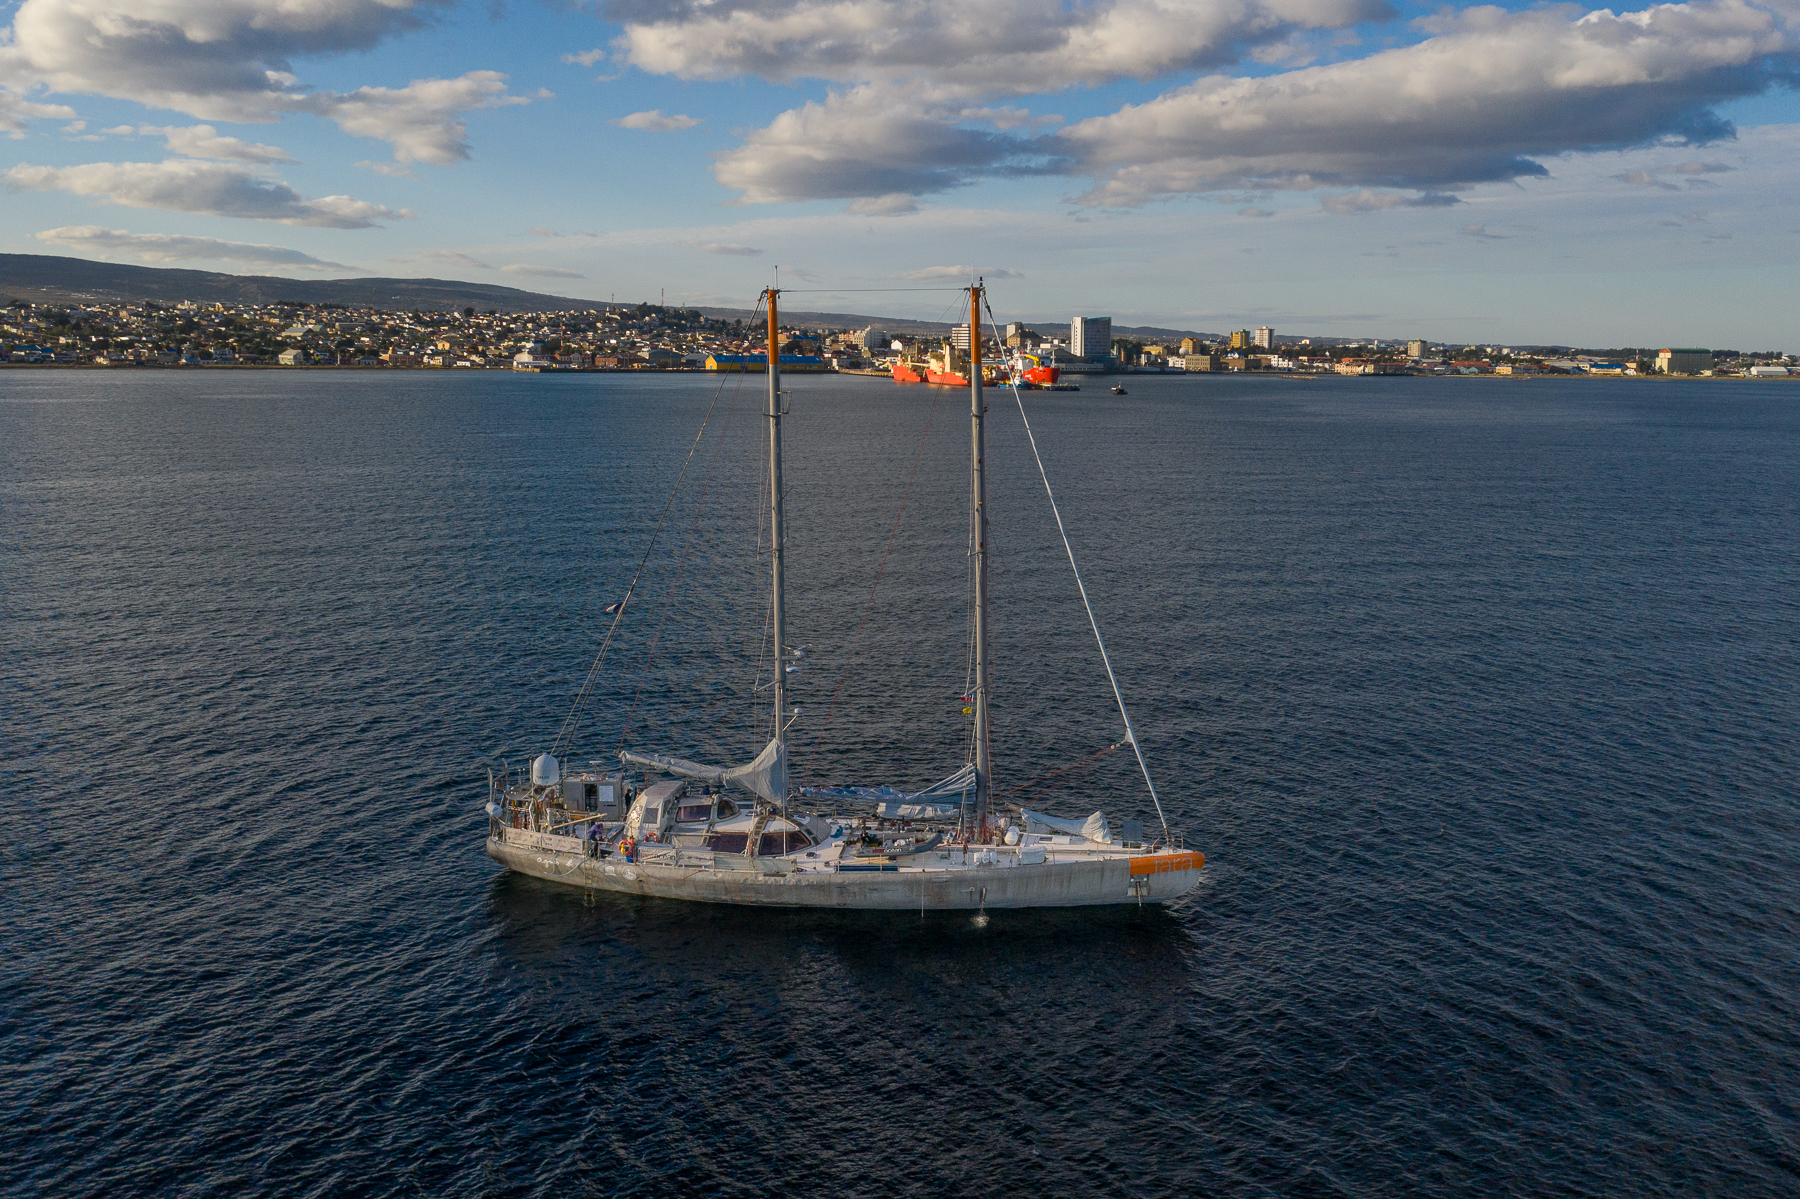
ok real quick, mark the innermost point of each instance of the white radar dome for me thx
(544, 771)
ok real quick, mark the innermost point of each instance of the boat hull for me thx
(1148, 878)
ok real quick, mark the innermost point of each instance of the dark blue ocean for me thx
(1480, 696)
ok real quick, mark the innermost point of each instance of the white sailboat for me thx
(737, 835)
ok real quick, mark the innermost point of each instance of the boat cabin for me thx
(652, 813)
(595, 792)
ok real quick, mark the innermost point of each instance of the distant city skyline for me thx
(1349, 167)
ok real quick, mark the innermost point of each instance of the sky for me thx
(1533, 174)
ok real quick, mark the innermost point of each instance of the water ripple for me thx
(1480, 700)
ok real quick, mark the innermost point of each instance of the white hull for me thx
(1078, 882)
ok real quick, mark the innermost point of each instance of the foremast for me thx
(984, 748)
(777, 525)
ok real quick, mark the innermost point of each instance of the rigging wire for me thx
(869, 604)
(849, 291)
(567, 732)
(1105, 658)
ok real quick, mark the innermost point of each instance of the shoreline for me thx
(870, 374)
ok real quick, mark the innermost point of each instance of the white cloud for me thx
(872, 141)
(208, 188)
(956, 274)
(727, 248)
(455, 258)
(655, 122)
(203, 141)
(1643, 178)
(1479, 103)
(391, 169)
(1484, 100)
(16, 111)
(167, 247)
(1351, 203)
(892, 204)
(422, 121)
(963, 47)
(1481, 233)
(1653, 176)
(229, 60)
(539, 272)
(213, 59)
(586, 58)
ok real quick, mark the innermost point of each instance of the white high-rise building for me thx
(1265, 337)
(1090, 337)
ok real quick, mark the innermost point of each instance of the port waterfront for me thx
(648, 337)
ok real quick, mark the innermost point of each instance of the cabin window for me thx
(592, 792)
(728, 842)
(774, 844)
(693, 812)
(652, 814)
(727, 809)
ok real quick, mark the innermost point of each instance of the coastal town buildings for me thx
(658, 338)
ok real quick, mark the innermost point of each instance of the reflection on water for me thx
(1117, 964)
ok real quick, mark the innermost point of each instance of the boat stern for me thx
(1165, 874)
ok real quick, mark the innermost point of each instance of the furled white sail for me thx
(680, 766)
(1094, 828)
(766, 775)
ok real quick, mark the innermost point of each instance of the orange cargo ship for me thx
(942, 369)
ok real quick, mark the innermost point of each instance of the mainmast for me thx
(777, 528)
(984, 749)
